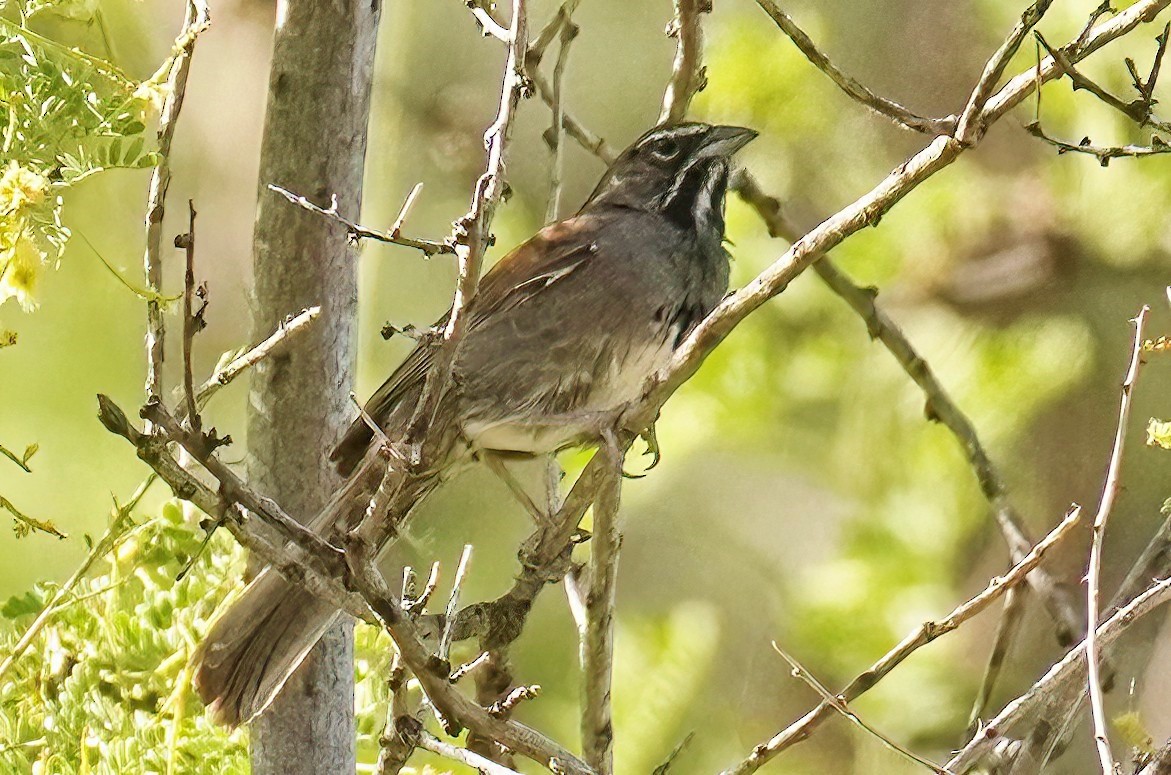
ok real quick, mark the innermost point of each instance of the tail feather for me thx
(259, 642)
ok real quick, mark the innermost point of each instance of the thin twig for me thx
(357, 231)
(840, 706)
(191, 318)
(1093, 576)
(472, 232)
(118, 528)
(397, 227)
(1031, 703)
(416, 606)
(553, 136)
(1137, 111)
(201, 447)
(1011, 619)
(927, 632)
(940, 405)
(401, 731)
(488, 25)
(223, 375)
(971, 125)
(1018, 89)
(504, 707)
(194, 23)
(453, 602)
(1103, 153)
(463, 756)
(852, 88)
(597, 647)
(463, 670)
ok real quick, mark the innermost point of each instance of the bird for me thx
(562, 333)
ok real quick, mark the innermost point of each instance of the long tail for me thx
(261, 639)
(256, 645)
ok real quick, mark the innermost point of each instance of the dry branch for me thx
(597, 645)
(357, 231)
(1093, 576)
(853, 89)
(687, 72)
(926, 633)
(194, 23)
(1050, 688)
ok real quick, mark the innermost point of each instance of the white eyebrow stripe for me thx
(676, 131)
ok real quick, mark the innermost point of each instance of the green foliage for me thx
(67, 115)
(104, 686)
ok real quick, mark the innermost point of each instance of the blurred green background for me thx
(802, 497)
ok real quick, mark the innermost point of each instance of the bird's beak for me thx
(723, 141)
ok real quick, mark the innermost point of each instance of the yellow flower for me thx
(150, 96)
(20, 187)
(20, 269)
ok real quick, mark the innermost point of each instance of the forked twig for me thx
(927, 632)
(839, 705)
(851, 87)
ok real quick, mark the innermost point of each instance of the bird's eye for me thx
(665, 149)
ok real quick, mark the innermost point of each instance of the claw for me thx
(652, 445)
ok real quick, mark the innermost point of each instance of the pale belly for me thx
(533, 433)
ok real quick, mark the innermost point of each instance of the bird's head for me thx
(680, 171)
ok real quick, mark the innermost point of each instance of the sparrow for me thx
(562, 334)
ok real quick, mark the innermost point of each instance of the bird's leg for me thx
(497, 465)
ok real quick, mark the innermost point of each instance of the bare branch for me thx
(1138, 111)
(192, 320)
(482, 13)
(453, 602)
(309, 561)
(1018, 89)
(456, 709)
(194, 23)
(357, 231)
(463, 756)
(597, 647)
(1007, 629)
(926, 633)
(1051, 685)
(971, 125)
(1104, 153)
(1093, 576)
(840, 706)
(223, 375)
(553, 135)
(472, 234)
(687, 73)
(852, 88)
(397, 227)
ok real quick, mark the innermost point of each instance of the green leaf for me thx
(22, 605)
(133, 152)
(142, 293)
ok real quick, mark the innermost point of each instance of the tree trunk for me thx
(314, 144)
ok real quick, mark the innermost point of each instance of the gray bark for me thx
(315, 144)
